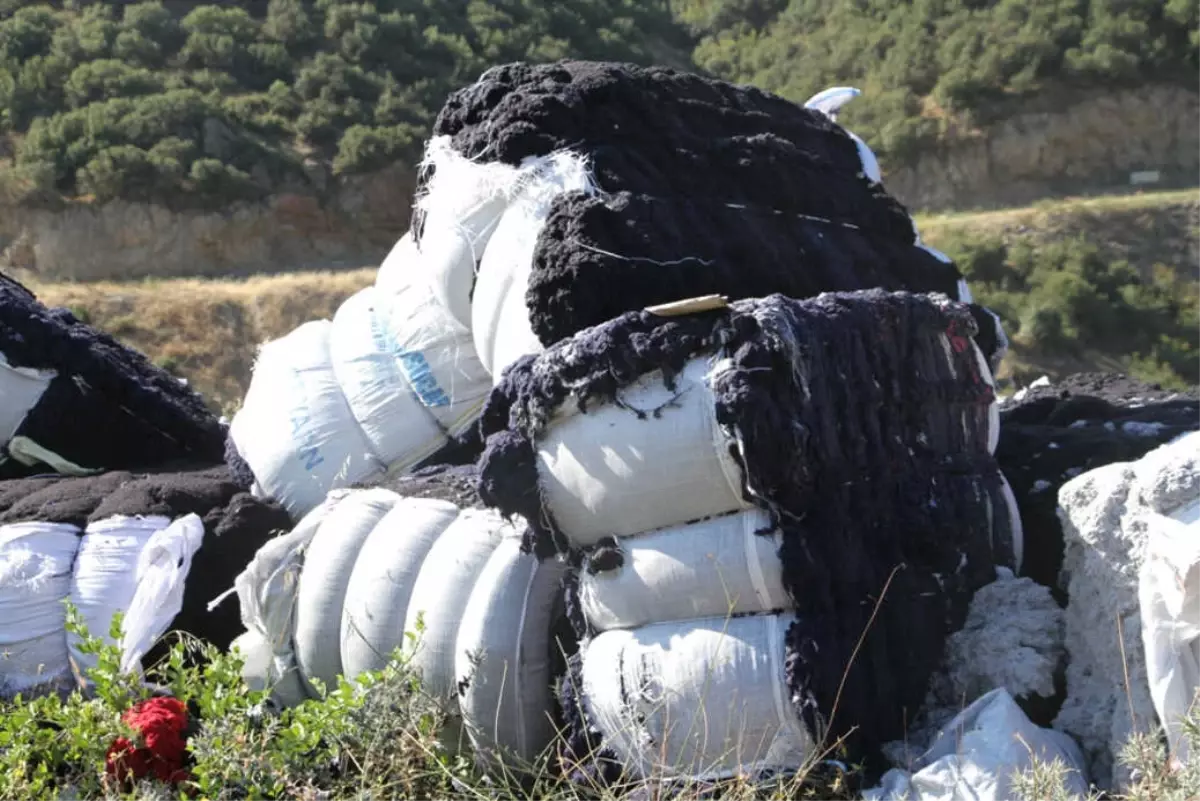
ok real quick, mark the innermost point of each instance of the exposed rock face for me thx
(354, 225)
(1094, 143)
(1106, 516)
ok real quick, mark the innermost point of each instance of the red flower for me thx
(160, 722)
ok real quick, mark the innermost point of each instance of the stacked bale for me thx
(74, 400)
(389, 382)
(372, 568)
(555, 197)
(747, 492)
(118, 542)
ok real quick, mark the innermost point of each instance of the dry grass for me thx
(207, 330)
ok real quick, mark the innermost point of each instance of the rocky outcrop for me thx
(354, 224)
(1090, 142)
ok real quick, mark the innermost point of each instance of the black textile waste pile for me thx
(706, 188)
(850, 422)
(108, 407)
(236, 525)
(1050, 434)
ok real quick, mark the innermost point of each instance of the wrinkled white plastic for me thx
(35, 579)
(105, 576)
(1169, 597)
(711, 568)
(439, 599)
(20, 390)
(162, 572)
(295, 429)
(608, 472)
(266, 592)
(829, 102)
(696, 699)
(977, 755)
(500, 320)
(503, 656)
(381, 584)
(400, 429)
(325, 578)
(462, 204)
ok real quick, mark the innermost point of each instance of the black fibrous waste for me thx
(1086, 421)
(108, 407)
(442, 482)
(236, 525)
(659, 131)
(707, 187)
(849, 416)
(598, 258)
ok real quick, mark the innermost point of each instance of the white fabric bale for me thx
(439, 599)
(504, 656)
(436, 356)
(1109, 517)
(105, 574)
(699, 699)
(461, 204)
(716, 567)
(500, 320)
(35, 578)
(1017, 532)
(382, 581)
(977, 755)
(20, 390)
(609, 473)
(295, 429)
(400, 429)
(328, 563)
(162, 572)
(399, 266)
(1169, 596)
(267, 591)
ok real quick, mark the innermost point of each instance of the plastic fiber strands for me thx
(374, 572)
(555, 197)
(73, 399)
(390, 383)
(1055, 432)
(869, 414)
(136, 540)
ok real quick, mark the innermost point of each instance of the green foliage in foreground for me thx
(1065, 299)
(374, 737)
(119, 100)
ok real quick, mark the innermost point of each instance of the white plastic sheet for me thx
(266, 592)
(295, 428)
(363, 353)
(462, 204)
(504, 655)
(20, 390)
(711, 568)
(106, 573)
(35, 578)
(325, 578)
(385, 572)
(608, 472)
(700, 699)
(162, 573)
(978, 753)
(1169, 596)
(500, 320)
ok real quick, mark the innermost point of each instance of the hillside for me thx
(187, 104)
(1018, 260)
